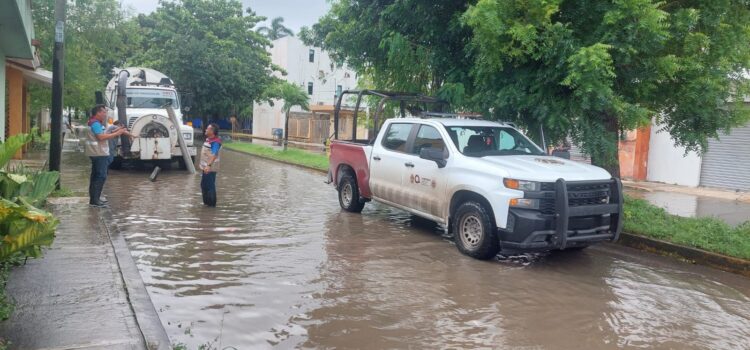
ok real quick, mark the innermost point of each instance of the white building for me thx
(726, 163)
(309, 68)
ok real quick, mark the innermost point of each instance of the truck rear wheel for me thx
(474, 232)
(116, 163)
(181, 162)
(349, 194)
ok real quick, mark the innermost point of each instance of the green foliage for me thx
(63, 192)
(706, 233)
(11, 146)
(410, 45)
(291, 94)
(6, 306)
(209, 48)
(579, 68)
(96, 40)
(24, 228)
(277, 30)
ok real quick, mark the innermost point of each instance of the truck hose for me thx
(122, 103)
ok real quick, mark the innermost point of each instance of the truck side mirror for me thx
(434, 154)
(99, 98)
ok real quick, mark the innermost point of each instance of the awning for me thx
(38, 75)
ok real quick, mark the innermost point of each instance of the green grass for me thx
(643, 218)
(63, 192)
(291, 155)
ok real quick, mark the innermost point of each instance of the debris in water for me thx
(154, 174)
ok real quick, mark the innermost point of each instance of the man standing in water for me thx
(210, 164)
(97, 148)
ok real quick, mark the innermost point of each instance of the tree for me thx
(292, 95)
(276, 31)
(409, 45)
(595, 69)
(210, 50)
(579, 68)
(93, 46)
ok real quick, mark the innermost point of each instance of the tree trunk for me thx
(286, 128)
(610, 159)
(204, 121)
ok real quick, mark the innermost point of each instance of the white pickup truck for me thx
(488, 183)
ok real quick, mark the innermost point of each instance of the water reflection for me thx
(279, 265)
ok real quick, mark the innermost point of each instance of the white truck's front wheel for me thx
(474, 232)
(349, 194)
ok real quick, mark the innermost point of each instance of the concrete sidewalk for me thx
(76, 296)
(739, 196)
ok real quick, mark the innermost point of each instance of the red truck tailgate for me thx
(354, 156)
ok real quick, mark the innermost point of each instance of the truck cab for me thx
(488, 183)
(148, 92)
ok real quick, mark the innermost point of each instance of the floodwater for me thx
(278, 265)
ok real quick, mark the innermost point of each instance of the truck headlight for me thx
(524, 203)
(522, 185)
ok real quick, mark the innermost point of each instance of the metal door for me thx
(726, 163)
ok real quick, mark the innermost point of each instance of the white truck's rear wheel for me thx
(116, 163)
(474, 232)
(349, 194)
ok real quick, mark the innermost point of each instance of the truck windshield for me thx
(476, 141)
(151, 98)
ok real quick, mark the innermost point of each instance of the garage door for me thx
(726, 164)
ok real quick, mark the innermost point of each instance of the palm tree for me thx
(292, 95)
(276, 31)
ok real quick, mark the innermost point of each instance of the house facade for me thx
(311, 69)
(725, 164)
(650, 154)
(19, 66)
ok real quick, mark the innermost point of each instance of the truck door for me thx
(424, 182)
(388, 164)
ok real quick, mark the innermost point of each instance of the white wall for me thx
(668, 163)
(291, 54)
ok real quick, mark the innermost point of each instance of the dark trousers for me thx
(98, 177)
(208, 188)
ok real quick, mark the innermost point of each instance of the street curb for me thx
(278, 160)
(147, 318)
(690, 254)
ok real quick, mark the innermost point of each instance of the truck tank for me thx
(138, 97)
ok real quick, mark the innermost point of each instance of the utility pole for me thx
(55, 145)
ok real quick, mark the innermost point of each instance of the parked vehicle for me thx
(138, 97)
(486, 181)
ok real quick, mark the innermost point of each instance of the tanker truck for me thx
(138, 98)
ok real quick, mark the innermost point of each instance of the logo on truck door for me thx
(416, 179)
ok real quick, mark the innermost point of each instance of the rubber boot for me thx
(95, 200)
(211, 202)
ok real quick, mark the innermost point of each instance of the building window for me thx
(310, 88)
(312, 55)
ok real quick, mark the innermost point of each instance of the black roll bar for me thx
(385, 96)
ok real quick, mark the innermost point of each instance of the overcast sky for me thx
(296, 13)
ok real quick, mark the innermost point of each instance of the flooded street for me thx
(279, 265)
